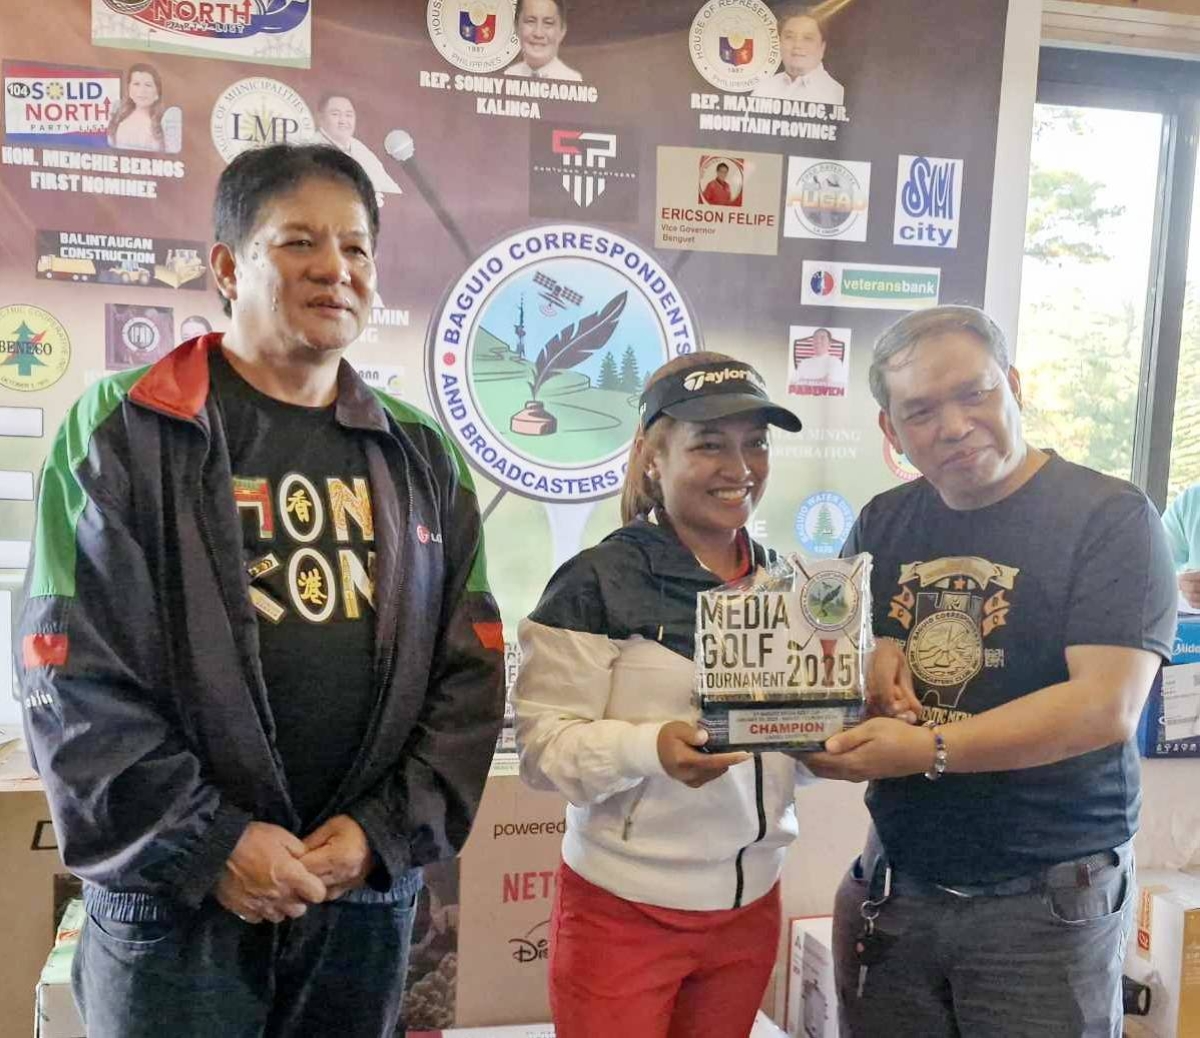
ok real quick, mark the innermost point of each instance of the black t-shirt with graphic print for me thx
(986, 602)
(301, 487)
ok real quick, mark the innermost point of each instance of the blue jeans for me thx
(1041, 964)
(337, 970)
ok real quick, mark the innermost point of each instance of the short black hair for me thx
(258, 175)
(788, 11)
(720, 164)
(560, 4)
(330, 95)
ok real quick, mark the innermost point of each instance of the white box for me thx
(1164, 953)
(56, 1015)
(811, 992)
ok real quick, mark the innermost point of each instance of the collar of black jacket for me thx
(178, 386)
(667, 556)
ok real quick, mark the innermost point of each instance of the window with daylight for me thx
(1109, 337)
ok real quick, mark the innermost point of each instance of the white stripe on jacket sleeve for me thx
(560, 698)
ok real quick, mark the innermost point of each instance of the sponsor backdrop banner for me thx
(561, 213)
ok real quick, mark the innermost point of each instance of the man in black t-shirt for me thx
(1022, 606)
(262, 670)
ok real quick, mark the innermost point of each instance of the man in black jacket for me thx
(262, 670)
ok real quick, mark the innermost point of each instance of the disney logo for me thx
(531, 947)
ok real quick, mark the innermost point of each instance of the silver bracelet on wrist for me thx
(940, 757)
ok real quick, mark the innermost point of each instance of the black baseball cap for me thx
(714, 390)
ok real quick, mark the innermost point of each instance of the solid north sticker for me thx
(734, 44)
(35, 348)
(59, 106)
(266, 32)
(870, 286)
(827, 199)
(539, 353)
(257, 112)
(711, 201)
(473, 35)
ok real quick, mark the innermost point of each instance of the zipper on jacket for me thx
(627, 828)
(762, 830)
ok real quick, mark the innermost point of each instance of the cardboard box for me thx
(506, 888)
(1151, 738)
(56, 1015)
(1165, 951)
(811, 994)
(763, 1028)
(31, 865)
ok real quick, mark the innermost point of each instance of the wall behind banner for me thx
(113, 273)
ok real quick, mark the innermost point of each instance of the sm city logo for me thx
(928, 201)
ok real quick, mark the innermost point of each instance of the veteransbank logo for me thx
(869, 286)
(538, 355)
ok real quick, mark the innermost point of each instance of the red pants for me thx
(620, 969)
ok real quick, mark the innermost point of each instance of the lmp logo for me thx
(543, 399)
(584, 151)
(257, 112)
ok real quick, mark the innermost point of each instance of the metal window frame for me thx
(1103, 79)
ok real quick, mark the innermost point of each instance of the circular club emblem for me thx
(473, 35)
(903, 469)
(140, 336)
(734, 44)
(945, 649)
(823, 522)
(34, 346)
(822, 283)
(538, 355)
(828, 200)
(828, 600)
(257, 112)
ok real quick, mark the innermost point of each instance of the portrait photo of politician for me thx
(140, 122)
(337, 121)
(720, 181)
(818, 364)
(803, 77)
(541, 26)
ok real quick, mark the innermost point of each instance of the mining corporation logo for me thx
(827, 199)
(257, 112)
(35, 348)
(473, 35)
(538, 355)
(734, 44)
(823, 522)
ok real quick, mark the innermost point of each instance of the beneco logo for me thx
(874, 287)
(539, 352)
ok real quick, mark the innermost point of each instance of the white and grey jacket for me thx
(606, 661)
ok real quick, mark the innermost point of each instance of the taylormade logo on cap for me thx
(699, 379)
